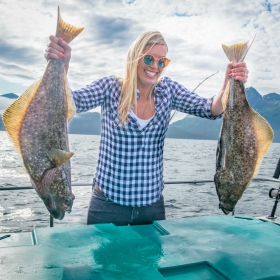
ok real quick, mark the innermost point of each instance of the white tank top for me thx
(141, 122)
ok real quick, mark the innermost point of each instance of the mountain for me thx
(1, 124)
(85, 123)
(272, 97)
(190, 127)
(268, 106)
(9, 95)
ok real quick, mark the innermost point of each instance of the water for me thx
(183, 160)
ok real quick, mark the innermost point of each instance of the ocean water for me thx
(183, 160)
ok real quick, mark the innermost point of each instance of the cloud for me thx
(9, 52)
(17, 62)
(115, 31)
(194, 31)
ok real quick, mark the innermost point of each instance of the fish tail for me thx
(65, 30)
(237, 52)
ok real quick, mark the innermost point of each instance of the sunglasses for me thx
(149, 59)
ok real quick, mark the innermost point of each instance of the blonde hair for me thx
(129, 82)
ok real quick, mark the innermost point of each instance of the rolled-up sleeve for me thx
(92, 95)
(189, 102)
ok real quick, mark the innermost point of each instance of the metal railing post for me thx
(51, 221)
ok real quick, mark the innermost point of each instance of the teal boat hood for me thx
(206, 247)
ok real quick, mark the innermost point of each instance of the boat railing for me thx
(83, 184)
(273, 193)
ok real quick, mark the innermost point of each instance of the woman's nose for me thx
(155, 63)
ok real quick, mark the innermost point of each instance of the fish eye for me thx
(68, 201)
(53, 164)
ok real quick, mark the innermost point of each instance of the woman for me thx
(135, 112)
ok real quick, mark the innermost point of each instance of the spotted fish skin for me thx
(37, 125)
(244, 139)
(237, 149)
(43, 129)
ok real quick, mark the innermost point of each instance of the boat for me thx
(204, 247)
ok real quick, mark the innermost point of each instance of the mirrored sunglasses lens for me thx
(148, 59)
(161, 63)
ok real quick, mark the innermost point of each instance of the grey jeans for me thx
(103, 210)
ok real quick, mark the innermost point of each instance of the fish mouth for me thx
(58, 208)
(57, 213)
(226, 210)
(55, 191)
(55, 209)
(60, 205)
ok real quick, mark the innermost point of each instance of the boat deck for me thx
(207, 247)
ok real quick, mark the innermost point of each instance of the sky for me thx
(193, 30)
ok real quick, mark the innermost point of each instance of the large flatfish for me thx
(37, 125)
(244, 138)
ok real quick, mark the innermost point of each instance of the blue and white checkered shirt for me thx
(130, 164)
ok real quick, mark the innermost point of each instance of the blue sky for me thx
(194, 31)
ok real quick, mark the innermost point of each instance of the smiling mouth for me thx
(150, 74)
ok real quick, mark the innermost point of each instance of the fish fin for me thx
(71, 108)
(59, 156)
(14, 114)
(23, 170)
(65, 30)
(226, 95)
(237, 52)
(264, 134)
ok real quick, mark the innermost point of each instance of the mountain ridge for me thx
(267, 106)
(190, 127)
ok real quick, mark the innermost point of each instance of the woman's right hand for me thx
(58, 49)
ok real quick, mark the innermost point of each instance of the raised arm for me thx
(238, 71)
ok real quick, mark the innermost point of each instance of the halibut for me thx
(37, 125)
(245, 138)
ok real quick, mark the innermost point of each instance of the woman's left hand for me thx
(238, 71)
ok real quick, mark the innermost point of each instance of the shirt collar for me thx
(159, 87)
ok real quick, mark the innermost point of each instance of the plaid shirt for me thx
(130, 164)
